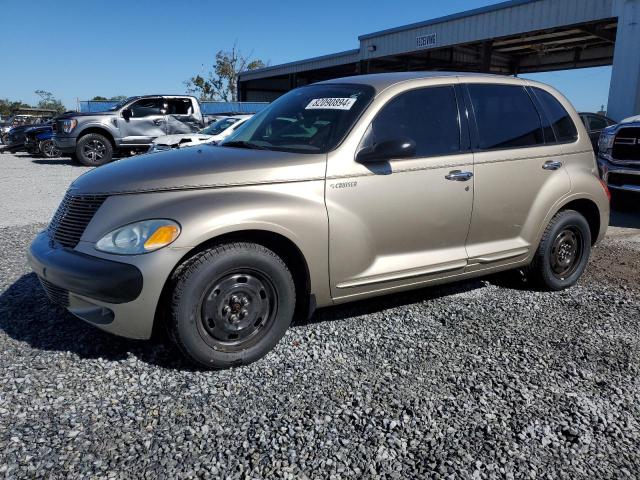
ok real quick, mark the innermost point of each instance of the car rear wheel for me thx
(231, 305)
(49, 149)
(94, 150)
(563, 253)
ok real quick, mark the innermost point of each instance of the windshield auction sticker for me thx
(331, 103)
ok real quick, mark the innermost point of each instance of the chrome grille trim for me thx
(72, 217)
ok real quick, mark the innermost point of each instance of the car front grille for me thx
(57, 295)
(72, 217)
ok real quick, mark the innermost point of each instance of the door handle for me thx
(157, 121)
(459, 176)
(552, 165)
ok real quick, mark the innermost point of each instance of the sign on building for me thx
(427, 41)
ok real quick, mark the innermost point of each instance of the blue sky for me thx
(82, 48)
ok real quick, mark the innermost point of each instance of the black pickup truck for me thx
(92, 138)
(619, 156)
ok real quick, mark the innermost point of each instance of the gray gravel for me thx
(31, 188)
(482, 379)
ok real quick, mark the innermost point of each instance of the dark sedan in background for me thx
(595, 124)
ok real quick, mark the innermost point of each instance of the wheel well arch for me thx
(99, 130)
(589, 210)
(284, 247)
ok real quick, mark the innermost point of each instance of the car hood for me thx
(204, 167)
(175, 139)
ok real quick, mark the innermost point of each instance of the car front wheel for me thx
(231, 305)
(563, 252)
(94, 150)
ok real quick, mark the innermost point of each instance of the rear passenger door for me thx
(181, 116)
(519, 173)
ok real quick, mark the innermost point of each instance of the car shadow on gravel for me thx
(26, 315)
(392, 300)
(56, 161)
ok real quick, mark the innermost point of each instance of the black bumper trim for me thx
(93, 277)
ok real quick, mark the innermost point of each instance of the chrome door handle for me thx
(157, 121)
(459, 176)
(552, 165)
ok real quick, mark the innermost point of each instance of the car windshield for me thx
(312, 119)
(218, 127)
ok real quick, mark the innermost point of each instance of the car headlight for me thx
(139, 237)
(69, 125)
(606, 141)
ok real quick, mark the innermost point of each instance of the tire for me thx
(48, 149)
(230, 305)
(94, 150)
(563, 252)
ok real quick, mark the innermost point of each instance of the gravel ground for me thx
(481, 379)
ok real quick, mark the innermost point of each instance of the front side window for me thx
(564, 128)
(506, 117)
(427, 116)
(311, 119)
(147, 107)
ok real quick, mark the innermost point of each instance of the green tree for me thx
(118, 98)
(48, 101)
(99, 98)
(7, 106)
(222, 80)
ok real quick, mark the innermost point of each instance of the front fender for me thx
(294, 210)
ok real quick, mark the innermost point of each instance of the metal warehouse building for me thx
(513, 37)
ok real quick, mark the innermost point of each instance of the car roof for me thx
(381, 81)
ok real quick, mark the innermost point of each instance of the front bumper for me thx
(82, 274)
(619, 177)
(103, 292)
(65, 144)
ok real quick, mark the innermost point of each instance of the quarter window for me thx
(428, 116)
(506, 117)
(563, 126)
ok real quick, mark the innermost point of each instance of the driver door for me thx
(399, 222)
(146, 121)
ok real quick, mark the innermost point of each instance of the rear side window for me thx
(179, 106)
(506, 117)
(428, 116)
(563, 126)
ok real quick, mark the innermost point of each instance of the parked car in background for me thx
(212, 134)
(338, 191)
(595, 124)
(24, 117)
(39, 141)
(130, 126)
(17, 136)
(619, 156)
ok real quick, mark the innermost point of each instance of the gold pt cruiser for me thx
(338, 191)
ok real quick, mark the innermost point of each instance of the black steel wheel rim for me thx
(237, 309)
(567, 250)
(94, 150)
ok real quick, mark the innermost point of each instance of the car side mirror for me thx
(126, 113)
(401, 147)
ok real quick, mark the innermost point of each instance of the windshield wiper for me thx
(244, 144)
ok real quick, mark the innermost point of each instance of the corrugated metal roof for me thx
(446, 18)
(502, 19)
(323, 61)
